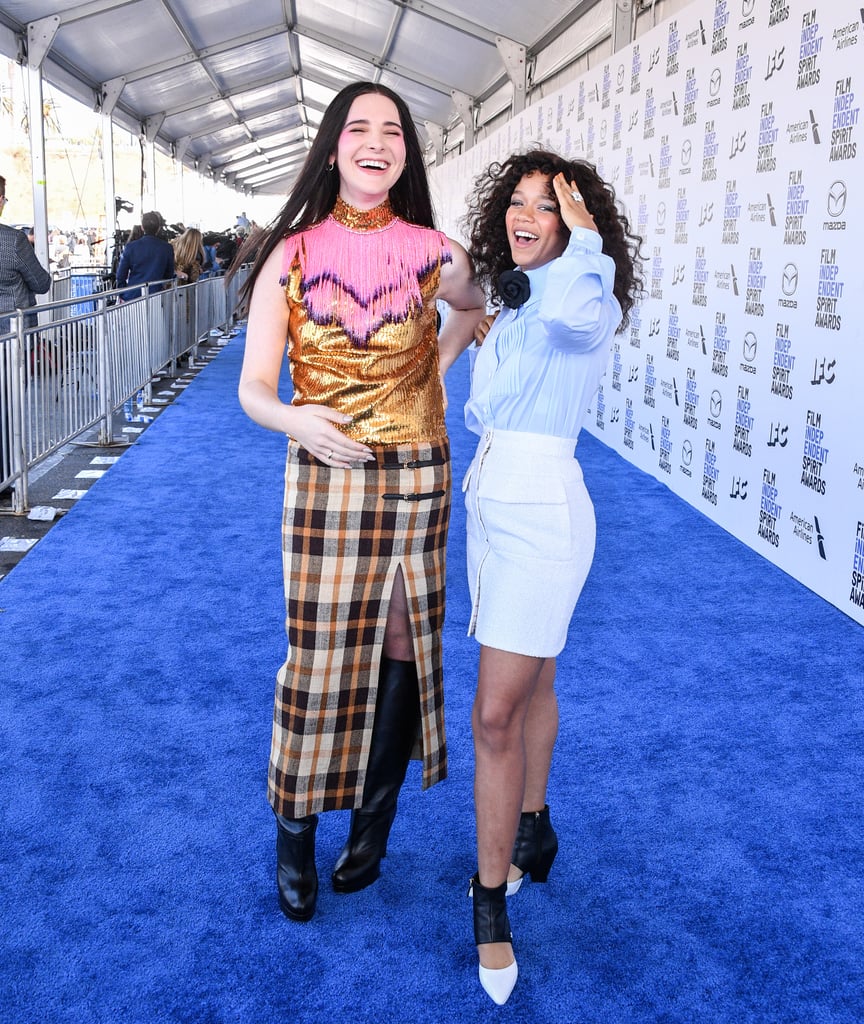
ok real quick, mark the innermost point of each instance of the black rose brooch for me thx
(514, 288)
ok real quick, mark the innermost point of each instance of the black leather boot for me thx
(535, 847)
(491, 924)
(397, 717)
(296, 876)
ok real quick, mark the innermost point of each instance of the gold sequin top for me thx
(362, 335)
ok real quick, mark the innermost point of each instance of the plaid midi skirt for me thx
(345, 533)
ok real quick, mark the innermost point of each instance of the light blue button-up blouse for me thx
(541, 364)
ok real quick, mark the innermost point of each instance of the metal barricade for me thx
(7, 458)
(87, 356)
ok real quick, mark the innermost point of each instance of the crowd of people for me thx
(346, 283)
(349, 275)
(153, 251)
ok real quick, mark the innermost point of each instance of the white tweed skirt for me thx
(531, 534)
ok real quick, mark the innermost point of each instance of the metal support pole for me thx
(515, 57)
(622, 24)
(465, 109)
(19, 445)
(106, 429)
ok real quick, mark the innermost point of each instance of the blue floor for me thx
(707, 785)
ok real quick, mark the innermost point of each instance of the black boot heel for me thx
(491, 924)
(359, 863)
(296, 875)
(397, 719)
(535, 847)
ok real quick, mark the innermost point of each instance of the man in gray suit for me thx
(22, 276)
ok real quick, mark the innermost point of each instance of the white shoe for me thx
(499, 984)
(512, 887)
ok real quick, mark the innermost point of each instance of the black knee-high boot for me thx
(397, 716)
(296, 875)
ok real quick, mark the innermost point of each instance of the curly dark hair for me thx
(490, 199)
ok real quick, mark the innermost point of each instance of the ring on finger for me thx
(576, 197)
(330, 455)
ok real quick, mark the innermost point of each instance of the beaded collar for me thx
(376, 219)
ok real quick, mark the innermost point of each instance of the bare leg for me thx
(541, 731)
(505, 685)
(398, 641)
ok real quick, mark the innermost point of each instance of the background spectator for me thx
(188, 256)
(22, 276)
(148, 259)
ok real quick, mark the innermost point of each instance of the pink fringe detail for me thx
(364, 279)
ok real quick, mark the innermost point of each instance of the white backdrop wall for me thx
(730, 134)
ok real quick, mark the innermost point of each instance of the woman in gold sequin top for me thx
(349, 274)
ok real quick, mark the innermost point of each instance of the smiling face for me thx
(535, 230)
(371, 151)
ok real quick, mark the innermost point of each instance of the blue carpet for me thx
(707, 787)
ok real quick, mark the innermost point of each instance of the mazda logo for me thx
(790, 279)
(749, 346)
(837, 199)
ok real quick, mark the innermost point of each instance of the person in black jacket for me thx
(22, 276)
(148, 259)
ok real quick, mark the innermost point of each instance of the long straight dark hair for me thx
(316, 189)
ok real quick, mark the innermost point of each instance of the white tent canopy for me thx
(236, 90)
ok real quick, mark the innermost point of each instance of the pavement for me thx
(62, 479)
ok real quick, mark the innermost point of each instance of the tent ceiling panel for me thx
(329, 64)
(107, 45)
(456, 61)
(229, 76)
(186, 88)
(210, 22)
(247, 62)
(355, 24)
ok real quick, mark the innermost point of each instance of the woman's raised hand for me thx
(574, 212)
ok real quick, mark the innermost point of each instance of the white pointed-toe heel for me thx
(499, 984)
(492, 925)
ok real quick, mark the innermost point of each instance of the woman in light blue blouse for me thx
(551, 246)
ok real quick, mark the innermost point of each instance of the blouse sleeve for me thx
(578, 309)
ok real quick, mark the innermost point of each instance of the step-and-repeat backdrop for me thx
(731, 135)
